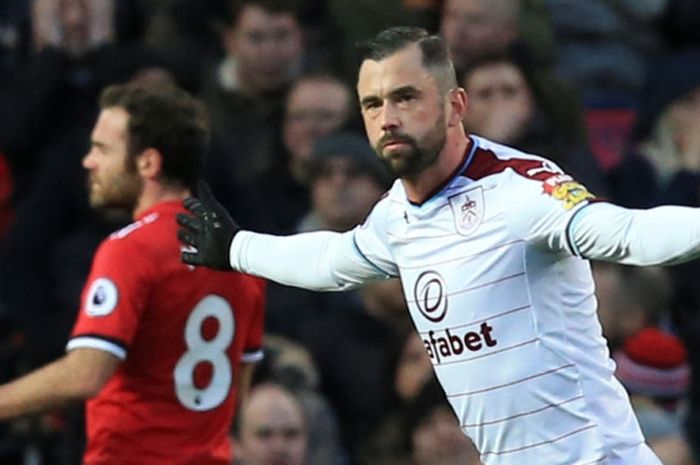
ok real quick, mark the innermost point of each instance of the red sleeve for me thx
(113, 298)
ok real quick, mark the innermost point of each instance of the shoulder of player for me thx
(383, 207)
(522, 177)
(132, 228)
(131, 237)
(492, 159)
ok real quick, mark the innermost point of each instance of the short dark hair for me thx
(516, 57)
(165, 118)
(234, 8)
(434, 51)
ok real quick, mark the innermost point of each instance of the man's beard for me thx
(419, 155)
(119, 193)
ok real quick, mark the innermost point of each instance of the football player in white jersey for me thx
(492, 248)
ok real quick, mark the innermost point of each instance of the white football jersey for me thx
(506, 309)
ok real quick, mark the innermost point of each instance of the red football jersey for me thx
(181, 333)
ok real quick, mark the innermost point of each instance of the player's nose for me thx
(390, 117)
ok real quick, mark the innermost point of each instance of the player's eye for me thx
(372, 105)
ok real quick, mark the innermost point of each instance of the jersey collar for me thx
(459, 171)
(167, 207)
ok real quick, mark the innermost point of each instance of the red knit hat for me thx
(653, 363)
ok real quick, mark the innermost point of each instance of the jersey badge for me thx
(467, 210)
(102, 298)
(563, 188)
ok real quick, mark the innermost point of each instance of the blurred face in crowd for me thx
(273, 429)
(404, 111)
(315, 108)
(267, 47)
(438, 440)
(684, 115)
(501, 104)
(74, 26)
(113, 180)
(342, 195)
(75, 18)
(474, 28)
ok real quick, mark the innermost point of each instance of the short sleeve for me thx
(112, 300)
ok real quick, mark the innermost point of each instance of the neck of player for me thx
(424, 184)
(155, 192)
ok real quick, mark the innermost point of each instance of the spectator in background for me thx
(387, 443)
(477, 28)
(510, 105)
(631, 299)
(662, 165)
(369, 329)
(50, 101)
(272, 428)
(246, 91)
(652, 366)
(346, 180)
(291, 365)
(74, 33)
(187, 32)
(317, 104)
(434, 435)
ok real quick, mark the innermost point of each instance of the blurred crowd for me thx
(608, 89)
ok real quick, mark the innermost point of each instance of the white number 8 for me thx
(200, 350)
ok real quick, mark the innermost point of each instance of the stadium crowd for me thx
(608, 89)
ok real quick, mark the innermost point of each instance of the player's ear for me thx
(149, 163)
(458, 106)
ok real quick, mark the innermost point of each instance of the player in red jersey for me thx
(162, 350)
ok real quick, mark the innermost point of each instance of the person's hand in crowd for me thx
(210, 230)
(72, 26)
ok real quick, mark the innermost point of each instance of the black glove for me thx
(210, 230)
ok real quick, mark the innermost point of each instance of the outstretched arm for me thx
(77, 376)
(322, 261)
(658, 236)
